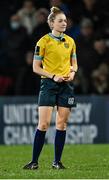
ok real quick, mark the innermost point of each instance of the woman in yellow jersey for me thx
(55, 54)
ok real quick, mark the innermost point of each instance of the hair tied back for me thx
(55, 10)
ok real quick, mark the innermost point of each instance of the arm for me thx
(39, 70)
(38, 57)
(73, 71)
(74, 65)
(37, 62)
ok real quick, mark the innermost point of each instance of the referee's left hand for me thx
(70, 77)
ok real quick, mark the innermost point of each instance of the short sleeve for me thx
(73, 53)
(39, 50)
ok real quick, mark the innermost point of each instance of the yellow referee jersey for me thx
(55, 53)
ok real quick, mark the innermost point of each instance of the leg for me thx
(61, 124)
(45, 113)
(44, 121)
(62, 118)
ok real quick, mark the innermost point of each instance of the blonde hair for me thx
(53, 12)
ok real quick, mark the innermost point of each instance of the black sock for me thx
(59, 144)
(38, 144)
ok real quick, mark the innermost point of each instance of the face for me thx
(89, 2)
(28, 6)
(87, 31)
(100, 45)
(55, 2)
(15, 22)
(29, 58)
(60, 23)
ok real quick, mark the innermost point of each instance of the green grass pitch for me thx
(82, 162)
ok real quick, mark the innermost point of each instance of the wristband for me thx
(53, 77)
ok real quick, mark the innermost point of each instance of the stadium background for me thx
(22, 23)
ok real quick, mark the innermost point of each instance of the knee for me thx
(61, 125)
(43, 127)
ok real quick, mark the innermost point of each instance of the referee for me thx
(55, 54)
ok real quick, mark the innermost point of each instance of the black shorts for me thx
(56, 94)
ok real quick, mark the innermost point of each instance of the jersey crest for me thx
(66, 45)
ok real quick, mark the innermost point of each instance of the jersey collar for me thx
(56, 38)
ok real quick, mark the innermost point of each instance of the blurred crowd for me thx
(23, 22)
